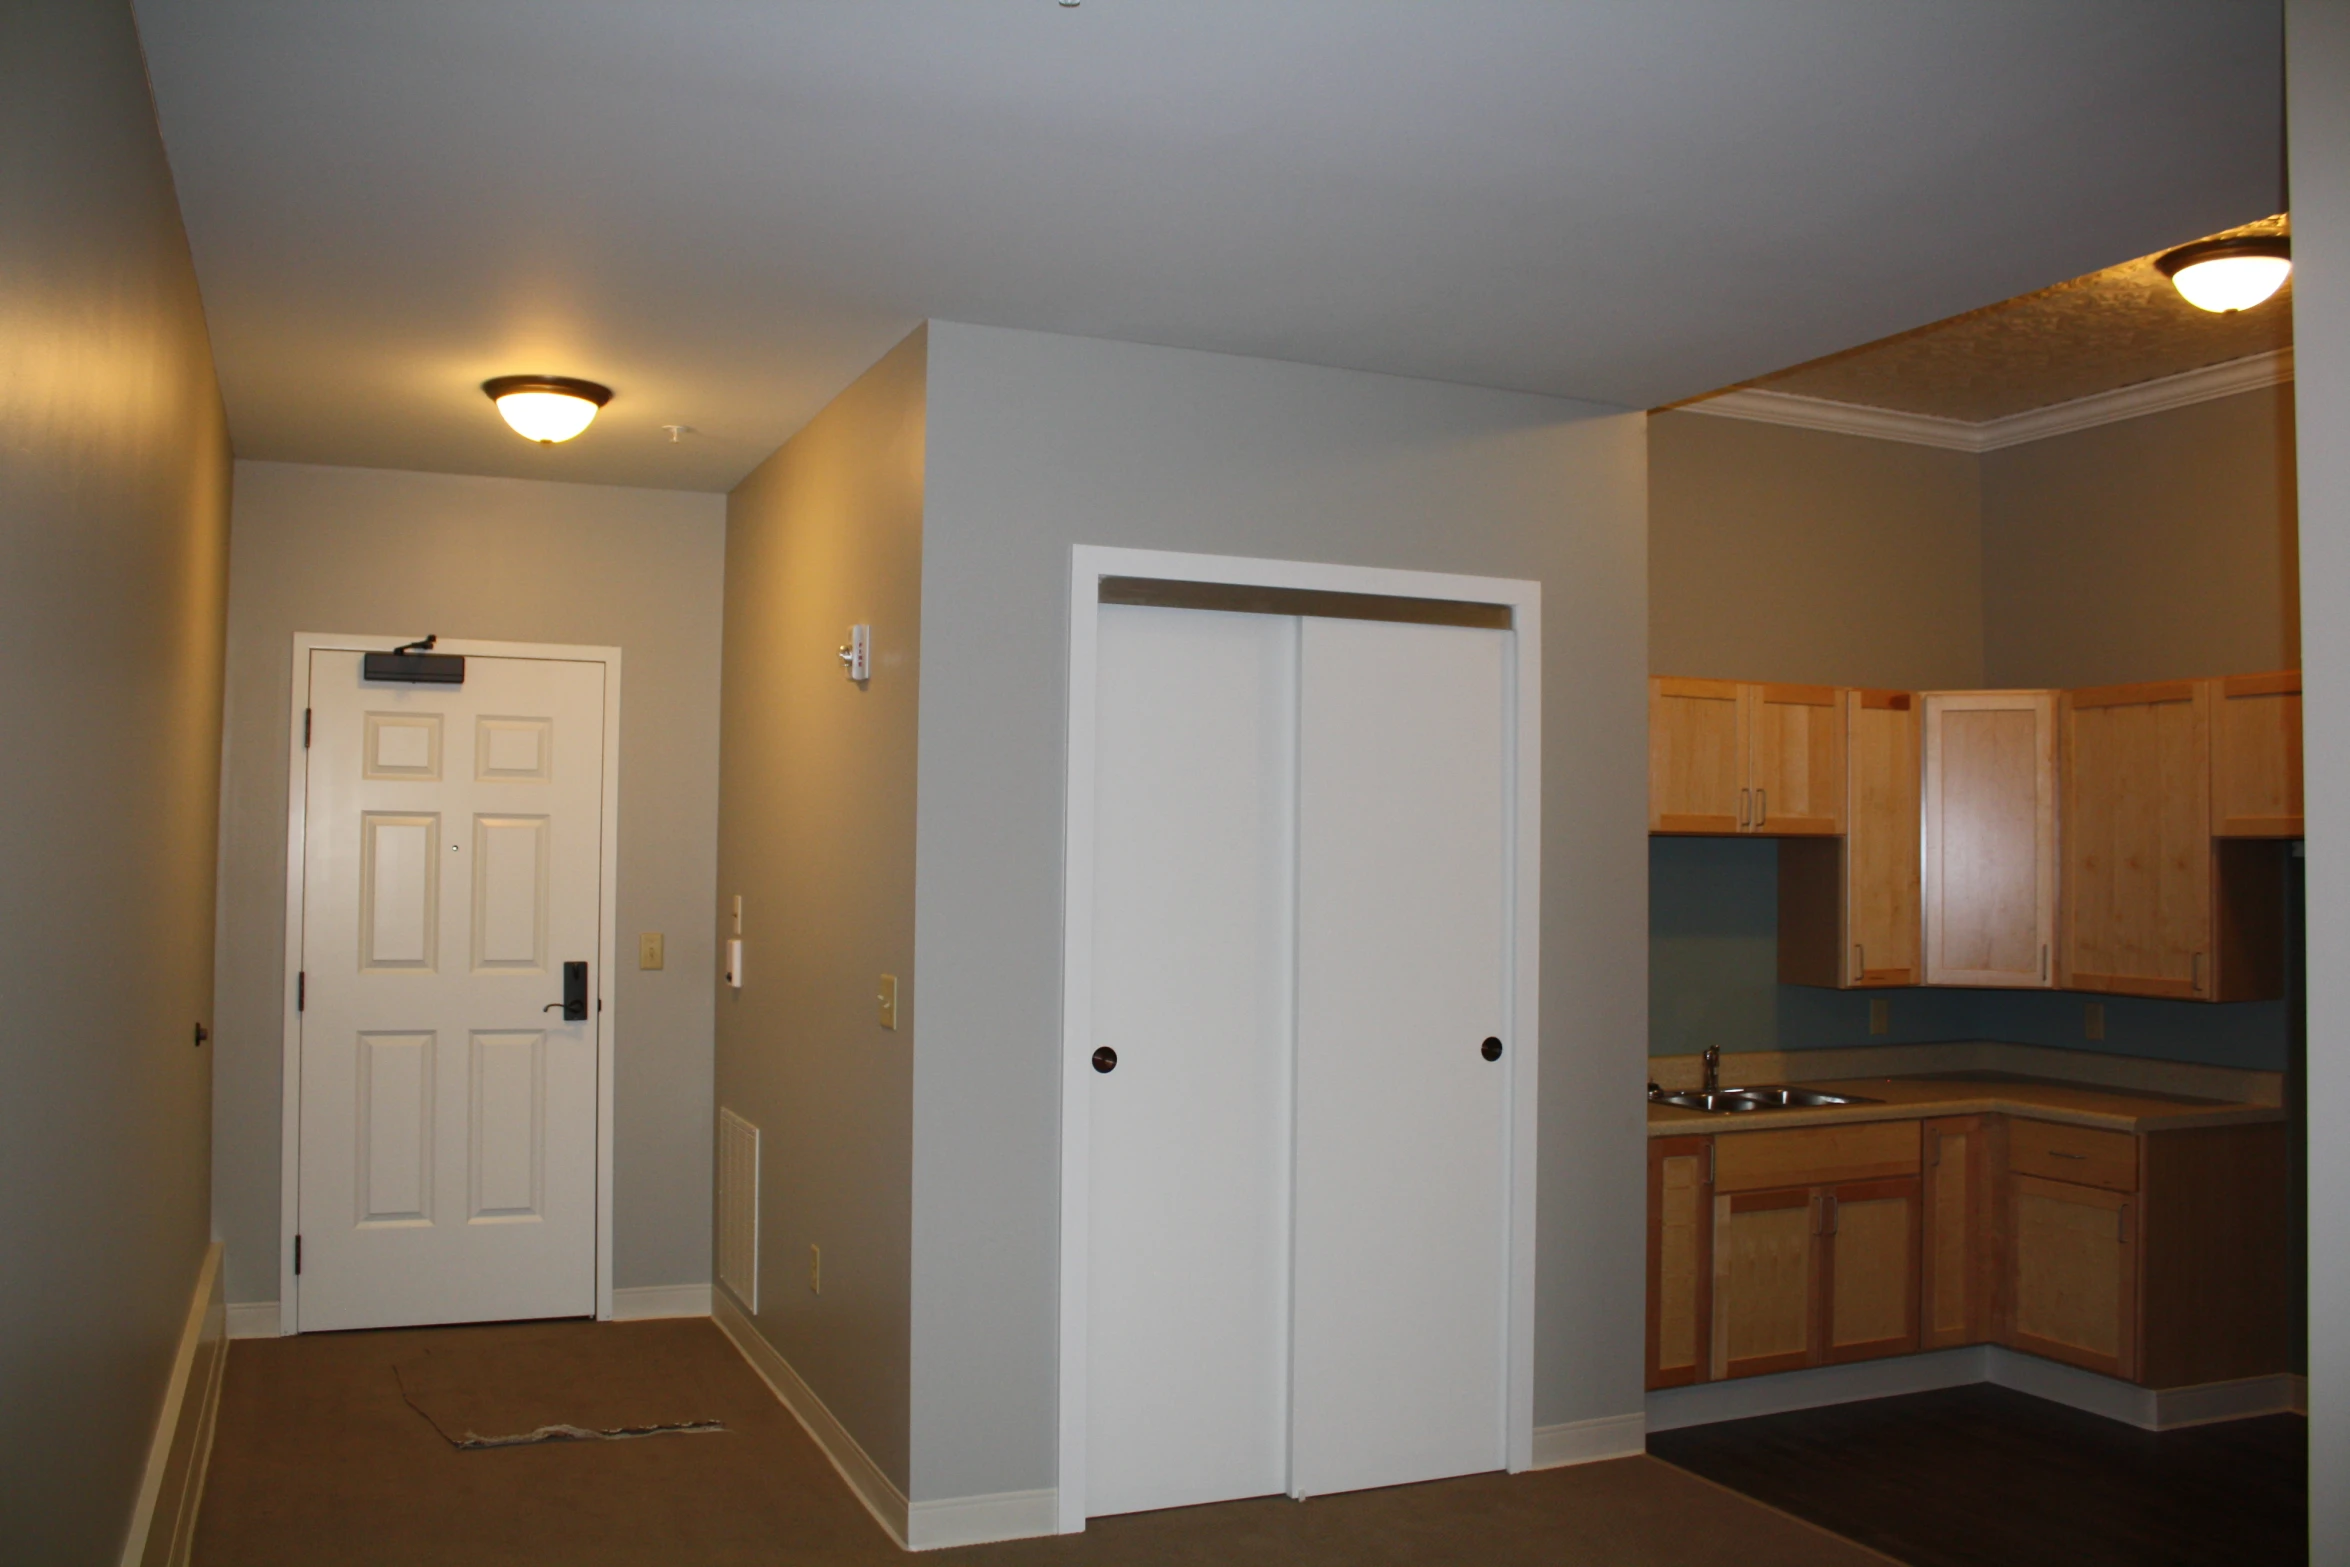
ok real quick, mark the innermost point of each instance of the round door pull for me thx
(1105, 1059)
(1491, 1049)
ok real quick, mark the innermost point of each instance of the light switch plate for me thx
(648, 950)
(888, 997)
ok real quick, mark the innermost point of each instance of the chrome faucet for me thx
(1713, 1067)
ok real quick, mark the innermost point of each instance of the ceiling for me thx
(2115, 327)
(726, 209)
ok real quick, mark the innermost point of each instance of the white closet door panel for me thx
(1188, 1326)
(451, 866)
(1402, 973)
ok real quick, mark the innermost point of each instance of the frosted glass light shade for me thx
(2227, 283)
(2227, 275)
(546, 408)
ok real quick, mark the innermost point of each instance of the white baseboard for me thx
(163, 1523)
(2149, 1409)
(875, 1489)
(1704, 1403)
(1589, 1441)
(976, 1520)
(642, 1301)
(253, 1319)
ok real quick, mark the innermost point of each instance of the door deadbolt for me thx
(1105, 1059)
(1491, 1049)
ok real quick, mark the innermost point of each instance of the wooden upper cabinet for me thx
(1730, 757)
(2137, 856)
(1796, 760)
(1696, 756)
(2256, 756)
(1988, 873)
(1848, 909)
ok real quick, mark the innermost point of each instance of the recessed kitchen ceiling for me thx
(2116, 327)
(724, 211)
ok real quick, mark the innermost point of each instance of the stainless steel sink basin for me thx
(1775, 1096)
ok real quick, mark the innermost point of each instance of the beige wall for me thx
(1784, 554)
(1038, 442)
(2154, 549)
(114, 489)
(373, 552)
(817, 836)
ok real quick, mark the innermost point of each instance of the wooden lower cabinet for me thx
(2074, 1275)
(1680, 1259)
(2159, 1258)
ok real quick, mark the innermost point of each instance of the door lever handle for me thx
(574, 1004)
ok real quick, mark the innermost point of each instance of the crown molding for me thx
(2037, 424)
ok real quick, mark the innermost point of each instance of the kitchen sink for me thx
(1776, 1096)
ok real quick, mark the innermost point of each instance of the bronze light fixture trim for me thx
(2228, 275)
(546, 408)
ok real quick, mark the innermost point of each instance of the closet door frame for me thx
(1089, 564)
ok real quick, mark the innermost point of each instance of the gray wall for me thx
(114, 482)
(2158, 548)
(1040, 442)
(816, 832)
(1783, 554)
(2318, 60)
(368, 551)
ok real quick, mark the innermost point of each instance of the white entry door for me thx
(451, 867)
(1297, 1176)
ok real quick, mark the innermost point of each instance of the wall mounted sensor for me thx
(856, 655)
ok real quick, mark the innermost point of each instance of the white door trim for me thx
(1088, 565)
(607, 916)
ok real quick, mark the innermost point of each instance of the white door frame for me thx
(607, 915)
(1088, 565)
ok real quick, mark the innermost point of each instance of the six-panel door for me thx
(451, 867)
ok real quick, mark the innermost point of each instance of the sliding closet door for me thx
(1402, 975)
(1187, 1374)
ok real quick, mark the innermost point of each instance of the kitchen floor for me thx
(1971, 1475)
(321, 1459)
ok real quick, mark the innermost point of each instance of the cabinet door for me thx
(1869, 1270)
(1959, 1253)
(1696, 757)
(1795, 760)
(1881, 839)
(1988, 877)
(2073, 1275)
(1680, 1248)
(2137, 856)
(1766, 1287)
(2256, 756)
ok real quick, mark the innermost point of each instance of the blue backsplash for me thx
(1713, 959)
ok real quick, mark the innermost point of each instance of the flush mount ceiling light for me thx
(546, 408)
(2227, 275)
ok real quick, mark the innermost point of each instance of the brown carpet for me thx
(497, 1392)
(320, 1460)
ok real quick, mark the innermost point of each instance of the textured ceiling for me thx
(2110, 329)
(726, 209)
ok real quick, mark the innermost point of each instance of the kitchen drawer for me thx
(2079, 1154)
(1815, 1155)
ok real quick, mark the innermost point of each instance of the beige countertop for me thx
(1975, 1093)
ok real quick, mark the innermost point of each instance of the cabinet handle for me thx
(2198, 972)
(1860, 961)
(2121, 1226)
(1744, 797)
(2043, 962)
(1762, 806)
(1827, 1214)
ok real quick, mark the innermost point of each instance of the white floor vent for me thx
(738, 1208)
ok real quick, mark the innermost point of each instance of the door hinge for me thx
(301, 989)
(305, 729)
(297, 1256)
